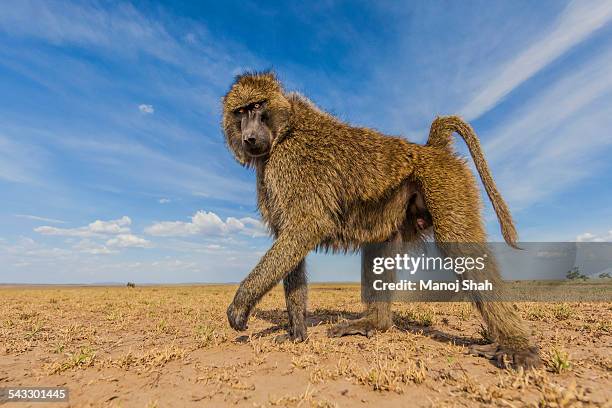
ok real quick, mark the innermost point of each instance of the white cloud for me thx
(96, 228)
(174, 263)
(164, 200)
(100, 237)
(111, 227)
(247, 225)
(37, 218)
(208, 223)
(579, 20)
(90, 247)
(590, 237)
(201, 222)
(146, 109)
(128, 240)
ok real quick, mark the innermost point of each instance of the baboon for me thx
(326, 185)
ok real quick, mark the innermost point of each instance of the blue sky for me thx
(112, 161)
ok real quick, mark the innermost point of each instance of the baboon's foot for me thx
(298, 332)
(366, 326)
(298, 337)
(237, 317)
(507, 358)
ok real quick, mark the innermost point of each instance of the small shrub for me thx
(559, 360)
(563, 311)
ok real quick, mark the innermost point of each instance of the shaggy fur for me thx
(327, 185)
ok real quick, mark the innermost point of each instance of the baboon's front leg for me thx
(286, 253)
(296, 293)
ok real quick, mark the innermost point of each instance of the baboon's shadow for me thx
(313, 318)
(279, 318)
(408, 325)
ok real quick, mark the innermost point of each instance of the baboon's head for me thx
(255, 116)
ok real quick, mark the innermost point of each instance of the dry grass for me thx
(171, 346)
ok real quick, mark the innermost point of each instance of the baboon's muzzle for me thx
(255, 135)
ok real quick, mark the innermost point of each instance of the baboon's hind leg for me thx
(459, 231)
(296, 295)
(377, 315)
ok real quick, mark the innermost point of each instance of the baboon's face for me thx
(255, 132)
(256, 115)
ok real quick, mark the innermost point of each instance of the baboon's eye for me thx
(241, 110)
(257, 106)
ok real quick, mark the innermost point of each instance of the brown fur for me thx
(327, 185)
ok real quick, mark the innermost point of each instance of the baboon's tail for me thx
(440, 135)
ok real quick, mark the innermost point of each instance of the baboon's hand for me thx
(237, 317)
(528, 358)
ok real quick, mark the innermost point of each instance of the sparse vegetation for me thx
(563, 311)
(169, 343)
(84, 357)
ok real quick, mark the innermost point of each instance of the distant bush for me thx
(574, 274)
(605, 275)
(131, 285)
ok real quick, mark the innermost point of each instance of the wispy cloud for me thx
(555, 139)
(87, 24)
(579, 20)
(37, 218)
(181, 67)
(19, 162)
(535, 122)
(125, 30)
(26, 248)
(134, 161)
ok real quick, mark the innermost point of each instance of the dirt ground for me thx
(172, 347)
